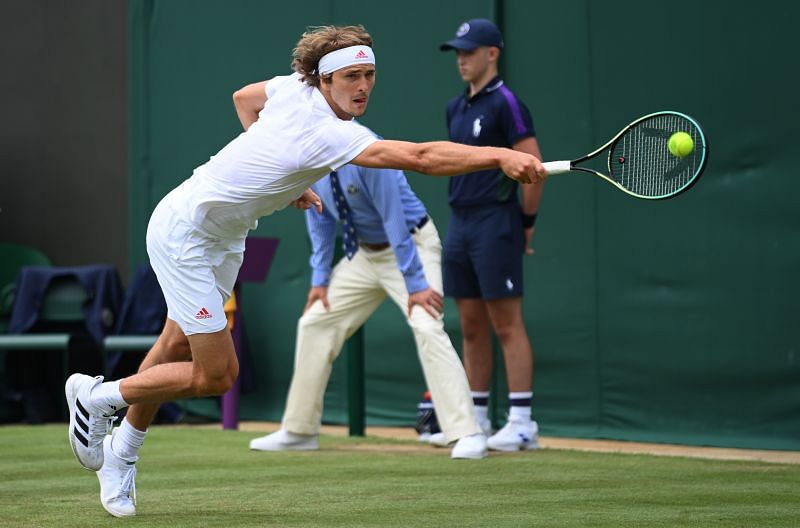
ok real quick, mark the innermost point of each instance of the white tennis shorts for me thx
(196, 272)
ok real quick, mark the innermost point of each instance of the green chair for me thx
(62, 305)
(62, 309)
(12, 258)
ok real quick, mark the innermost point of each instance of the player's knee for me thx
(212, 384)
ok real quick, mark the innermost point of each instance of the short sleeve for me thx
(275, 84)
(345, 140)
(517, 120)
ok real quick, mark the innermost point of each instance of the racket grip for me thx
(557, 167)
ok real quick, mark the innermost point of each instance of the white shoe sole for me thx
(118, 513)
(71, 392)
(276, 449)
(530, 446)
(469, 456)
(311, 445)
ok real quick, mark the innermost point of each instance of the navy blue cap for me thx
(474, 34)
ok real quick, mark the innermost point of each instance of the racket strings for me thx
(640, 160)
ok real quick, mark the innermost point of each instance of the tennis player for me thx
(195, 239)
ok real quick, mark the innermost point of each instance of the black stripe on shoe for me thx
(82, 439)
(82, 409)
(81, 424)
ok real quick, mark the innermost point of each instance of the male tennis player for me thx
(195, 239)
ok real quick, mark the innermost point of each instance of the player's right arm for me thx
(444, 158)
(249, 101)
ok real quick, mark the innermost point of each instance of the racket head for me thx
(640, 163)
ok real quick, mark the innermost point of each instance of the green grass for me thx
(202, 477)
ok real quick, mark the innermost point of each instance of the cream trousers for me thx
(357, 287)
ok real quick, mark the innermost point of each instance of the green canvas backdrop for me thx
(671, 321)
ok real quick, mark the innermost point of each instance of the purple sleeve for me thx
(516, 118)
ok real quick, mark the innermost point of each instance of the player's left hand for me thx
(428, 299)
(307, 200)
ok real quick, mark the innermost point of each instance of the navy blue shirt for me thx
(493, 117)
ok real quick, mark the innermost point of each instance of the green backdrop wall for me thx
(672, 321)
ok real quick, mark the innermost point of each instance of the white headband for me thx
(342, 58)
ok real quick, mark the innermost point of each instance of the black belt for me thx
(384, 245)
(420, 224)
(374, 247)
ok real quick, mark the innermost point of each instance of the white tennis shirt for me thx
(296, 140)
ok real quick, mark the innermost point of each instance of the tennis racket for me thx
(639, 160)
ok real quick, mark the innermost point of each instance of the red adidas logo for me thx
(361, 55)
(203, 314)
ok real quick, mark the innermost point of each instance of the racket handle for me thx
(557, 167)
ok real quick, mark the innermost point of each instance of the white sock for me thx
(520, 408)
(127, 441)
(482, 413)
(480, 399)
(107, 398)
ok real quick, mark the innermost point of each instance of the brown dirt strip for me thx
(547, 442)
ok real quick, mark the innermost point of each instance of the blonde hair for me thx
(318, 42)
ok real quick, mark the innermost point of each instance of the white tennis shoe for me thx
(117, 483)
(438, 439)
(86, 429)
(283, 440)
(516, 436)
(470, 447)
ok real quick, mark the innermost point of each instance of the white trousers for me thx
(357, 287)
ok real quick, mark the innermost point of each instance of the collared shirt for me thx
(384, 209)
(296, 140)
(492, 117)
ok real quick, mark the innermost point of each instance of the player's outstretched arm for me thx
(249, 101)
(443, 158)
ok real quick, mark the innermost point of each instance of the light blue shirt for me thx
(384, 209)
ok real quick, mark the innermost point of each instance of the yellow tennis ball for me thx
(680, 144)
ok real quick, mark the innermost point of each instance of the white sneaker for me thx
(86, 429)
(516, 435)
(438, 439)
(117, 484)
(470, 447)
(283, 440)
